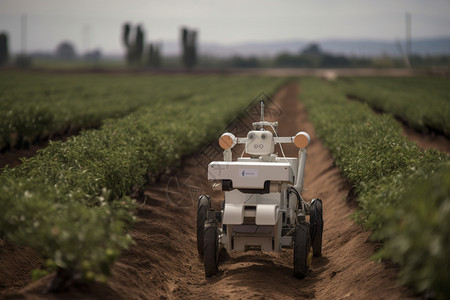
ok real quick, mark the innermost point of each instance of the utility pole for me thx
(86, 37)
(403, 54)
(408, 35)
(24, 33)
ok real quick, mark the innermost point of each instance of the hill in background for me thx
(362, 47)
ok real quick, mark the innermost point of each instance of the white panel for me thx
(276, 139)
(282, 139)
(259, 142)
(245, 236)
(242, 242)
(266, 214)
(293, 161)
(250, 174)
(233, 214)
(236, 197)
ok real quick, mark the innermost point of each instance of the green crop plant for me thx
(70, 202)
(417, 231)
(388, 173)
(37, 107)
(420, 102)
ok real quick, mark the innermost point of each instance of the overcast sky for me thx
(98, 23)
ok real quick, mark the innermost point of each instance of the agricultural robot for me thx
(263, 208)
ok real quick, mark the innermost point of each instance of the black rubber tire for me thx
(204, 203)
(210, 251)
(302, 246)
(316, 226)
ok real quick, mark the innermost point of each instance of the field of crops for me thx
(36, 106)
(422, 103)
(403, 192)
(70, 202)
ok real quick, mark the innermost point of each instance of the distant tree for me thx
(134, 46)
(139, 42)
(312, 49)
(94, 55)
(242, 62)
(65, 50)
(126, 34)
(189, 46)
(287, 60)
(4, 51)
(293, 61)
(127, 42)
(154, 55)
(335, 61)
(312, 56)
(383, 61)
(23, 61)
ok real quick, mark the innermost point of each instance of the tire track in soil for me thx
(163, 262)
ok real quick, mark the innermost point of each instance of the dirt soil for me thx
(427, 141)
(164, 264)
(11, 158)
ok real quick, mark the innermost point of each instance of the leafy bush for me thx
(34, 106)
(423, 103)
(385, 169)
(418, 234)
(70, 201)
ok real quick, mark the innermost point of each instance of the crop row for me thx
(421, 102)
(403, 192)
(37, 106)
(70, 201)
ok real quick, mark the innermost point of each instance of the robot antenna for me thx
(262, 109)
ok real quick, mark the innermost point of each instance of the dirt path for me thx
(427, 141)
(12, 158)
(164, 264)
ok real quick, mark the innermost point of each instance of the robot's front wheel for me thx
(211, 250)
(204, 204)
(302, 250)
(316, 226)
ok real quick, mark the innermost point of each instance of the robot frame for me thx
(263, 208)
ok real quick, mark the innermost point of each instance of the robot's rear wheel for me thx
(302, 250)
(211, 250)
(316, 226)
(204, 204)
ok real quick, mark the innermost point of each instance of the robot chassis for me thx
(263, 208)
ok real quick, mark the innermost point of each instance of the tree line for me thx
(138, 53)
